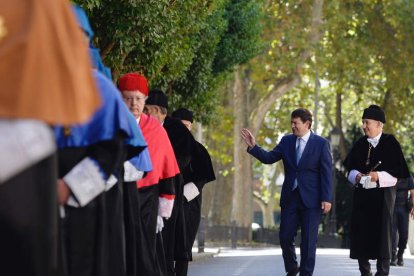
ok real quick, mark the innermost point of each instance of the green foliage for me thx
(198, 88)
(242, 40)
(153, 37)
(289, 23)
(231, 37)
(368, 56)
(219, 139)
(173, 43)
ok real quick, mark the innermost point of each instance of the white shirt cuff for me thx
(352, 175)
(386, 180)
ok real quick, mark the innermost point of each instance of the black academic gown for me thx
(201, 173)
(372, 209)
(132, 223)
(86, 233)
(28, 214)
(157, 184)
(175, 229)
(28, 230)
(122, 210)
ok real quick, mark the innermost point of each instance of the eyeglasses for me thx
(131, 99)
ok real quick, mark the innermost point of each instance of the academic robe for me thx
(45, 62)
(28, 207)
(121, 211)
(372, 209)
(175, 230)
(93, 243)
(132, 214)
(157, 186)
(200, 172)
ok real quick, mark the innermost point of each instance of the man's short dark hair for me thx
(303, 114)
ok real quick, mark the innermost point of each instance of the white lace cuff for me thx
(85, 181)
(190, 191)
(131, 173)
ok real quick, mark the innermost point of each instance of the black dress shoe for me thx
(400, 261)
(393, 261)
(293, 272)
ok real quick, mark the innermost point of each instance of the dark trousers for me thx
(399, 229)
(383, 267)
(293, 216)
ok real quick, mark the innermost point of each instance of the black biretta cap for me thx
(183, 114)
(157, 97)
(374, 112)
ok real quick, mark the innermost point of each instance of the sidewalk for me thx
(209, 252)
(268, 261)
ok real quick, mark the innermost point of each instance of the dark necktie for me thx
(298, 156)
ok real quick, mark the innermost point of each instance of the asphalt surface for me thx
(268, 261)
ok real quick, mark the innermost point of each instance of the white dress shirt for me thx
(302, 141)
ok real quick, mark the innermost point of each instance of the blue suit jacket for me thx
(314, 171)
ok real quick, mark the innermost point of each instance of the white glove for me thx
(190, 191)
(165, 207)
(160, 224)
(367, 183)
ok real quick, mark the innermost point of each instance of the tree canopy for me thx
(186, 48)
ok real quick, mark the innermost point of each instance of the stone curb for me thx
(208, 253)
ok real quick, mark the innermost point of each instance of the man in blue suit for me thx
(306, 191)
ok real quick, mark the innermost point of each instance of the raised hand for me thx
(248, 137)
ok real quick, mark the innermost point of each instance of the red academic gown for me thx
(157, 186)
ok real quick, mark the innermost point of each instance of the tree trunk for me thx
(216, 197)
(242, 186)
(338, 124)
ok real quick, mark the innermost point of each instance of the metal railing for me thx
(232, 235)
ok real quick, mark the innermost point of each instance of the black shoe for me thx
(393, 261)
(293, 272)
(400, 261)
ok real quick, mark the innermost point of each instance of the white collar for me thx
(138, 119)
(374, 141)
(305, 137)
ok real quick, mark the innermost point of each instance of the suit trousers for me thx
(294, 215)
(400, 228)
(383, 267)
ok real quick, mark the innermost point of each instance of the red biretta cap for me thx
(133, 82)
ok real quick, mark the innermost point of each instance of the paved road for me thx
(268, 261)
